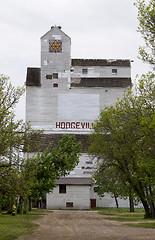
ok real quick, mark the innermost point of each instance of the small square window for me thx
(55, 84)
(62, 188)
(114, 71)
(48, 76)
(55, 75)
(69, 204)
(84, 71)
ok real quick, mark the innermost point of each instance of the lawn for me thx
(123, 215)
(12, 227)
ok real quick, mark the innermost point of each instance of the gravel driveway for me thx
(84, 225)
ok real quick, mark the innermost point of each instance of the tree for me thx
(54, 163)
(107, 180)
(9, 96)
(146, 17)
(124, 137)
(14, 135)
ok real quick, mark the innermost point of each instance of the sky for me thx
(102, 29)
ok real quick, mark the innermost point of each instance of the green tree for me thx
(54, 163)
(146, 17)
(107, 180)
(9, 96)
(14, 135)
(124, 137)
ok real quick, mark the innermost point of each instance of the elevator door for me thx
(93, 203)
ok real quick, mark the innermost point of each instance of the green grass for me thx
(144, 225)
(124, 215)
(12, 227)
(119, 211)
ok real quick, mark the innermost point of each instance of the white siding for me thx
(102, 71)
(109, 201)
(46, 106)
(79, 195)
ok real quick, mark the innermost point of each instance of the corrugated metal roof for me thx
(101, 82)
(101, 62)
(74, 181)
(51, 140)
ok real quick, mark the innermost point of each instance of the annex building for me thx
(64, 96)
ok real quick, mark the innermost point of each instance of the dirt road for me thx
(85, 225)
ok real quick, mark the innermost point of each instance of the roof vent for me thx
(59, 27)
(52, 27)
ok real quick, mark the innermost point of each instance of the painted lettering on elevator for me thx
(74, 125)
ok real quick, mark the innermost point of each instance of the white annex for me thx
(65, 96)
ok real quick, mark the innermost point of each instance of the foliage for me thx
(9, 96)
(106, 184)
(51, 164)
(146, 17)
(123, 138)
(107, 180)
(14, 135)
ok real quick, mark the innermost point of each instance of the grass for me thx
(12, 227)
(144, 225)
(119, 211)
(124, 215)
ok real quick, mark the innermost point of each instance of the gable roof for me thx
(58, 28)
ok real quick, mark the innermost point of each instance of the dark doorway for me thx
(93, 203)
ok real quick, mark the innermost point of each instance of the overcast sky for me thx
(105, 29)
